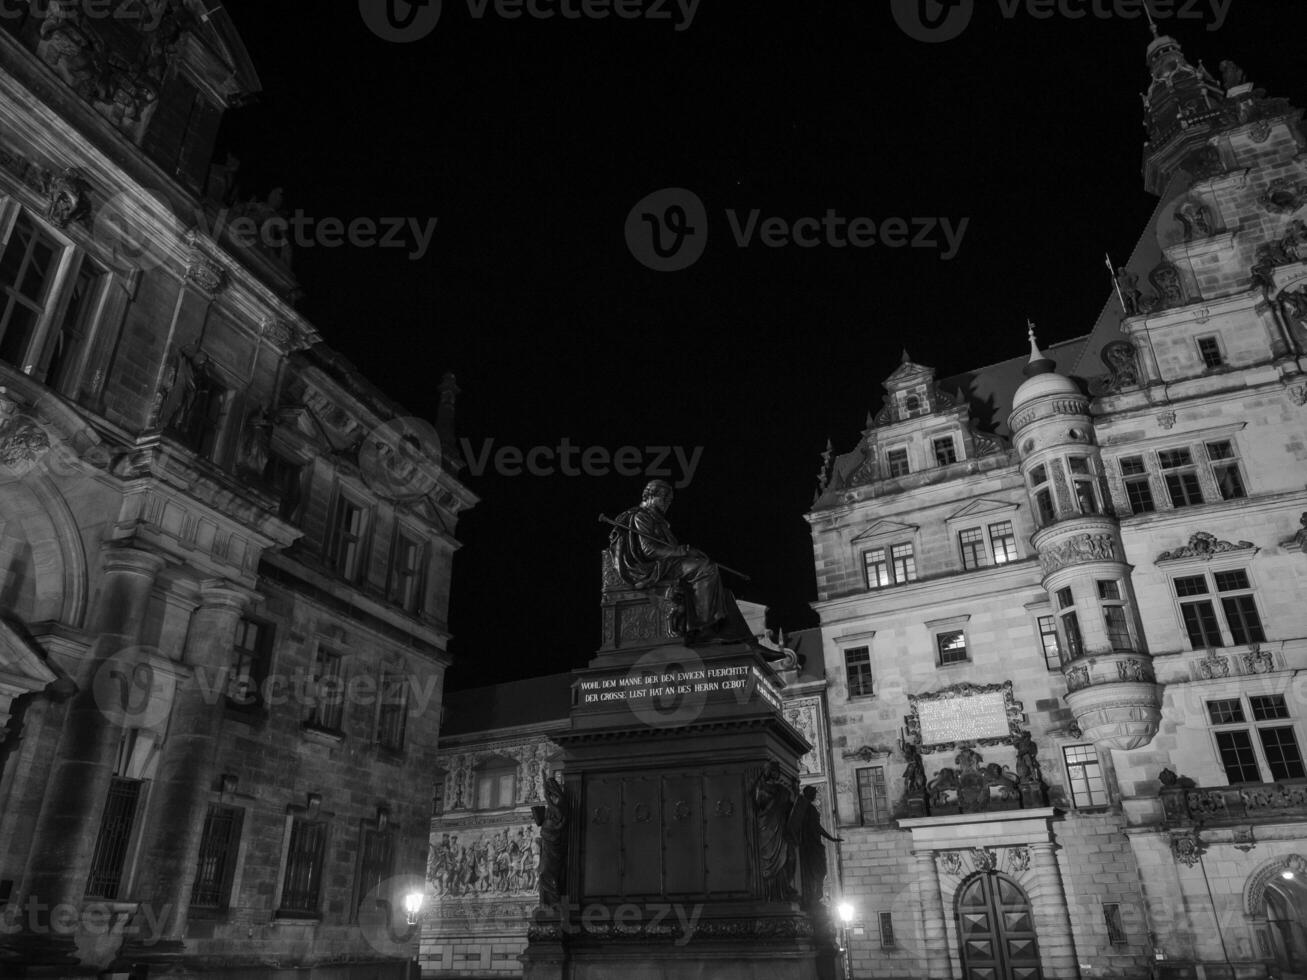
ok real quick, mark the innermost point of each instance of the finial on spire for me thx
(1039, 363)
(1034, 345)
(1152, 24)
(906, 359)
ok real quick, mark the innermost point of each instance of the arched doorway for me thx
(1286, 914)
(996, 932)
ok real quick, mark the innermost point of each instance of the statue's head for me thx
(810, 793)
(658, 493)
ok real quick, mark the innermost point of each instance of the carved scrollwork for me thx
(1257, 660)
(1187, 847)
(1205, 546)
(1212, 667)
(1283, 196)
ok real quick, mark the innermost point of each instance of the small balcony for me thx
(1216, 806)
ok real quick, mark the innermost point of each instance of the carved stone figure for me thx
(1196, 220)
(1284, 196)
(1131, 295)
(1204, 545)
(22, 441)
(1299, 540)
(1122, 359)
(773, 799)
(552, 820)
(256, 443)
(914, 776)
(1166, 280)
(805, 829)
(69, 199)
(1027, 764)
(69, 47)
(1232, 76)
(645, 554)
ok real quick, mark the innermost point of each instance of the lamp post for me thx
(412, 907)
(846, 912)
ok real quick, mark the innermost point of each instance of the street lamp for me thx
(847, 913)
(412, 906)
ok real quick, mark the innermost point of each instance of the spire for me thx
(1039, 362)
(1183, 105)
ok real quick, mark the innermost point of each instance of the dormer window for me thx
(897, 461)
(945, 451)
(912, 404)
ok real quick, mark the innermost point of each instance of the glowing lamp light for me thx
(1287, 875)
(846, 912)
(413, 905)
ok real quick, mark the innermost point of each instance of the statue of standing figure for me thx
(806, 830)
(552, 820)
(773, 799)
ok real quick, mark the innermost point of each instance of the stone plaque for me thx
(964, 713)
(964, 719)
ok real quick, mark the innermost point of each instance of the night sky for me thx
(531, 141)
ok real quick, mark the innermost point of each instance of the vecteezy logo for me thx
(932, 21)
(125, 224)
(401, 21)
(130, 690)
(668, 230)
(400, 459)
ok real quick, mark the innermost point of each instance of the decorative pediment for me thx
(983, 507)
(886, 529)
(1205, 547)
(908, 374)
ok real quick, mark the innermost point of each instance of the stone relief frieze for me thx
(483, 862)
(804, 715)
(1205, 546)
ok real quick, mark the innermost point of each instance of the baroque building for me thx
(1061, 604)
(226, 555)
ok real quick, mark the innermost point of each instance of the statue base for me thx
(663, 876)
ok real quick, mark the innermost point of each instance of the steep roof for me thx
(534, 701)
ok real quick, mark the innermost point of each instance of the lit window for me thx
(945, 451)
(1225, 468)
(898, 462)
(1247, 751)
(873, 797)
(857, 671)
(972, 543)
(496, 787)
(1003, 539)
(1209, 349)
(1238, 606)
(1048, 641)
(1085, 775)
(952, 647)
(889, 566)
(902, 563)
(877, 568)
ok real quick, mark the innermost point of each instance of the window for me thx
(898, 462)
(1085, 776)
(1116, 934)
(1225, 468)
(1209, 349)
(873, 797)
(1137, 489)
(65, 347)
(1045, 511)
(496, 786)
(1074, 639)
(406, 564)
(328, 692)
(1003, 539)
(1118, 629)
(1048, 640)
(27, 271)
(285, 479)
(303, 882)
(1238, 606)
(250, 662)
(893, 566)
(952, 647)
(1083, 480)
(886, 930)
(945, 451)
(376, 864)
(972, 543)
(113, 838)
(217, 859)
(1181, 477)
(345, 551)
(1245, 750)
(199, 425)
(857, 671)
(392, 712)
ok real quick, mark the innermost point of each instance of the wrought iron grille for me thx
(114, 837)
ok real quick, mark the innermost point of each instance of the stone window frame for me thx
(1253, 726)
(407, 531)
(1067, 763)
(882, 814)
(1222, 355)
(906, 450)
(345, 491)
(1039, 609)
(938, 628)
(951, 437)
(1208, 570)
(494, 765)
(1196, 442)
(333, 647)
(380, 824)
(312, 813)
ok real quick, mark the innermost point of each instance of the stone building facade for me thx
(226, 556)
(1062, 606)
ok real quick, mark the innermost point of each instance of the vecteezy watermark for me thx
(668, 231)
(568, 460)
(136, 687)
(933, 21)
(145, 16)
(145, 925)
(406, 21)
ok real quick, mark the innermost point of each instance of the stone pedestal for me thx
(663, 877)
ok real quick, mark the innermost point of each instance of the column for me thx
(934, 936)
(186, 774)
(1052, 918)
(80, 777)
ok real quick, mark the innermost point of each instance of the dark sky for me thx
(531, 140)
